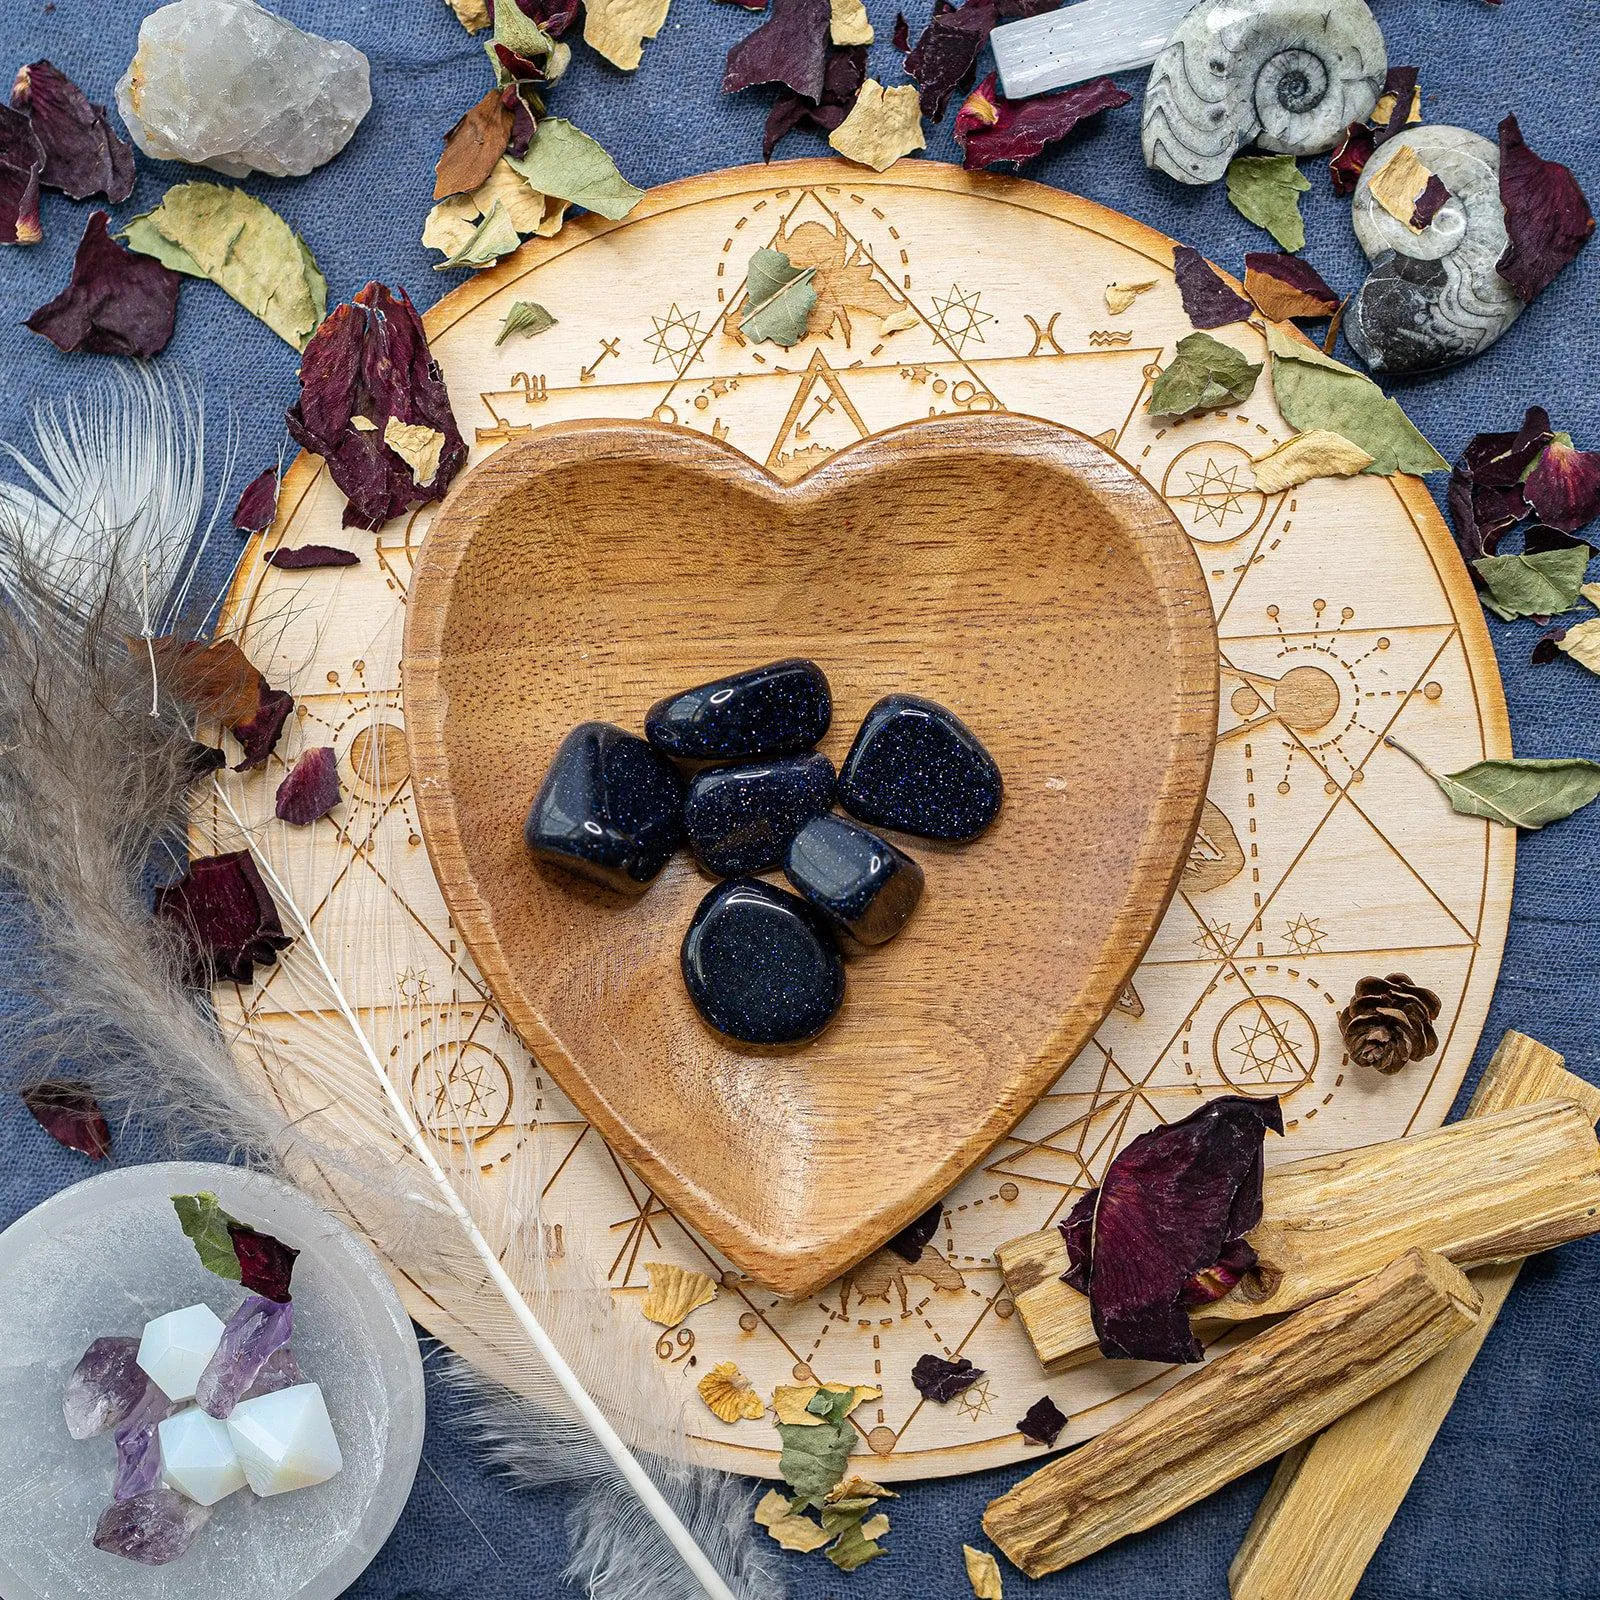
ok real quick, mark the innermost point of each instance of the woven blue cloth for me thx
(1507, 1505)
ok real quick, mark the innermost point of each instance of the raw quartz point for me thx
(139, 1446)
(285, 1440)
(153, 1528)
(254, 1333)
(227, 85)
(1088, 40)
(104, 1388)
(279, 1371)
(776, 710)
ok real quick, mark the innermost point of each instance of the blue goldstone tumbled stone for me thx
(858, 881)
(919, 768)
(760, 966)
(610, 808)
(741, 819)
(774, 710)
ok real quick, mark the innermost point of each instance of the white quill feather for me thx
(93, 781)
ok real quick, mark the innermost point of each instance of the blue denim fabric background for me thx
(1507, 1506)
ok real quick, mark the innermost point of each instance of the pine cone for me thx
(1389, 1022)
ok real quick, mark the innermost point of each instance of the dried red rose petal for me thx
(941, 1380)
(259, 734)
(523, 69)
(117, 304)
(258, 505)
(265, 1264)
(311, 789)
(1486, 491)
(305, 556)
(1548, 648)
(21, 162)
(1207, 300)
(69, 1113)
(990, 129)
(523, 126)
(370, 359)
(901, 36)
(944, 60)
(913, 1239)
(1401, 82)
(1168, 1226)
(1430, 202)
(83, 154)
(1043, 1422)
(1284, 286)
(1548, 220)
(1350, 157)
(842, 78)
(1563, 486)
(554, 17)
(227, 914)
(790, 47)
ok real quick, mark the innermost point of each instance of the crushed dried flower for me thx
(674, 1292)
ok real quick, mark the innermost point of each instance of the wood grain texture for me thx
(1499, 1186)
(596, 567)
(1332, 1499)
(1226, 1419)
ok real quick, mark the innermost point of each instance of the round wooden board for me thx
(1323, 855)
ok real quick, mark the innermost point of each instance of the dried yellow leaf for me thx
(1582, 641)
(451, 224)
(618, 28)
(790, 1400)
(875, 1527)
(857, 1489)
(675, 1292)
(1320, 453)
(848, 23)
(1397, 187)
(883, 125)
(899, 321)
(519, 199)
(1119, 296)
(727, 1393)
(791, 1530)
(555, 213)
(1384, 109)
(363, 424)
(983, 1573)
(473, 14)
(417, 446)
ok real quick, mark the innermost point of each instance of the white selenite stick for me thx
(1083, 41)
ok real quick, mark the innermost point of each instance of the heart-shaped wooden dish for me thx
(1009, 568)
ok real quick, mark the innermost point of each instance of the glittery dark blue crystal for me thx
(774, 710)
(759, 965)
(610, 808)
(741, 819)
(857, 880)
(919, 768)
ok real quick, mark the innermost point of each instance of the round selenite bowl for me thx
(106, 1256)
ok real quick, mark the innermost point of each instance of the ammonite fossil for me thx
(1287, 75)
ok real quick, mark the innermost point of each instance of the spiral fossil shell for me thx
(1286, 75)
(1434, 297)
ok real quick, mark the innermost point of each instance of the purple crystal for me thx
(253, 1333)
(139, 1447)
(279, 1371)
(104, 1387)
(154, 1527)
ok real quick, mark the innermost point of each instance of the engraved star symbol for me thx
(1215, 492)
(1214, 938)
(1304, 935)
(1265, 1053)
(957, 317)
(975, 1402)
(676, 338)
(413, 985)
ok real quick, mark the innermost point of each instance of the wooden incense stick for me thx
(1243, 1409)
(1333, 1498)
(1496, 1187)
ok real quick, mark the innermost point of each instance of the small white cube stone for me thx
(175, 1349)
(285, 1440)
(198, 1458)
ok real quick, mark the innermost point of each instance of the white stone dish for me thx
(106, 1256)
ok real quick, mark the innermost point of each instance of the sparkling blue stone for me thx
(759, 965)
(775, 710)
(917, 767)
(610, 809)
(858, 881)
(741, 819)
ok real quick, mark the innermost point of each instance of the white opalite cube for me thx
(285, 1440)
(175, 1349)
(198, 1458)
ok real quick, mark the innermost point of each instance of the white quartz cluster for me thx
(228, 85)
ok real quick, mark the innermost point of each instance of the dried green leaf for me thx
(853, 1548)
(1542, 584)
(517, 32)
(1315, 391)
(814, 1458)
(1523, 792)
(564, 161)
(1267, 190)
(527, 318)
(243, 247)
(778, 299)
(206, 1225)
(495, 236)
(1203, 374)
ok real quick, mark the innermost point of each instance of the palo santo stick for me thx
(1245, 1408)
(1493, 1188)
(1333, 1499)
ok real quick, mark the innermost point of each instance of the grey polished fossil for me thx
(1286, 75)
(1433, 297)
